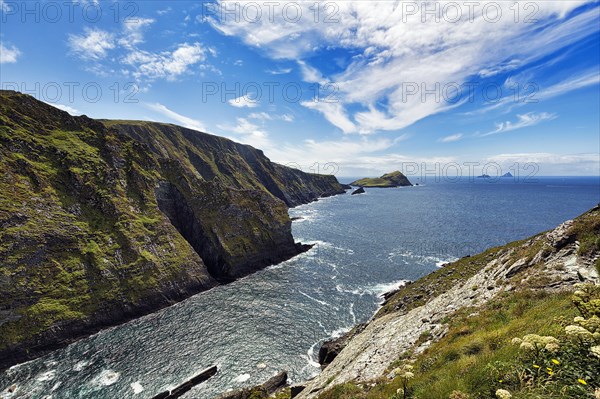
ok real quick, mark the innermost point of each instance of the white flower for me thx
(516, 341)
(595, 351)
(527, 346)
(578, 332)
(503, 394)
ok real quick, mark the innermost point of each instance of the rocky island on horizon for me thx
(392, 179)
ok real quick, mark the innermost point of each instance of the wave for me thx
(106, 378)
(437, 260)
(315, 299)
(241, 378)
(136, 387)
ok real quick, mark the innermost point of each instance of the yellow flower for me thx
(536, 366)
(582, 381)
(555, 361)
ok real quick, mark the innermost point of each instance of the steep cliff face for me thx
(104, 221)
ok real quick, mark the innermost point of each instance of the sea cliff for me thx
(103, 221)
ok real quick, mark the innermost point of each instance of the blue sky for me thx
(353, 87)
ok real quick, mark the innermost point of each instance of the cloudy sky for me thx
(351, 87)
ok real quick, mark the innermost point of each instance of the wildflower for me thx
(581, 381)
(597, 393)
(578, 332)
(400, 391)
(578, 319)
(516, 341)
(503, 394)
(527, 346)
(535, 366)
(595, 350)
(408, 375)
(552, 347)
(555, 362)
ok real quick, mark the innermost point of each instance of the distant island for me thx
(393, 179)
(484, 176)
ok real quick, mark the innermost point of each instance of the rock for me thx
(330, 349)
(295, 390)
(516, 267)
(267, 388)
(359, 190)
(346, 187)
(188, 385)
(561, 236)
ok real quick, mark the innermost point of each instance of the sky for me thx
(354, 88)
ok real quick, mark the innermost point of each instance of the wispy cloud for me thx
(8, 55)
(401, 48)
(584, 79)
(280, 71)
(452, 138)
(524, 120)
(270, 117)
(185, 121)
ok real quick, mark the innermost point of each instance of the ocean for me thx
(277, 318)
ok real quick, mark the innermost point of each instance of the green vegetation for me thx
(393, 179)
(480, 355)
(527, 343)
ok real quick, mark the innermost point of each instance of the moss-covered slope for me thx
(392, 179)
(103, 221)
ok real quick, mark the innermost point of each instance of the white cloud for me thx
(66, 108)
(93, 44)
(400, 48)
(451, 138)
(8, 55)
(524, 120)
(280, 71)
(164, 11)
(185, 121)
(334, 113)
(243, 101)
(169, 65)
(133, 31)
(269, 117)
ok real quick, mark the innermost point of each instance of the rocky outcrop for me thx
(330, 349)
(182, 389)
(549, 261)
(392, 179)
(104, 221)
(359, 190)
(269, 387)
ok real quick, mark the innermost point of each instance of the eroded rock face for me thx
(104, 221)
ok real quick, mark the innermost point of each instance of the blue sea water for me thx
(277, 318)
